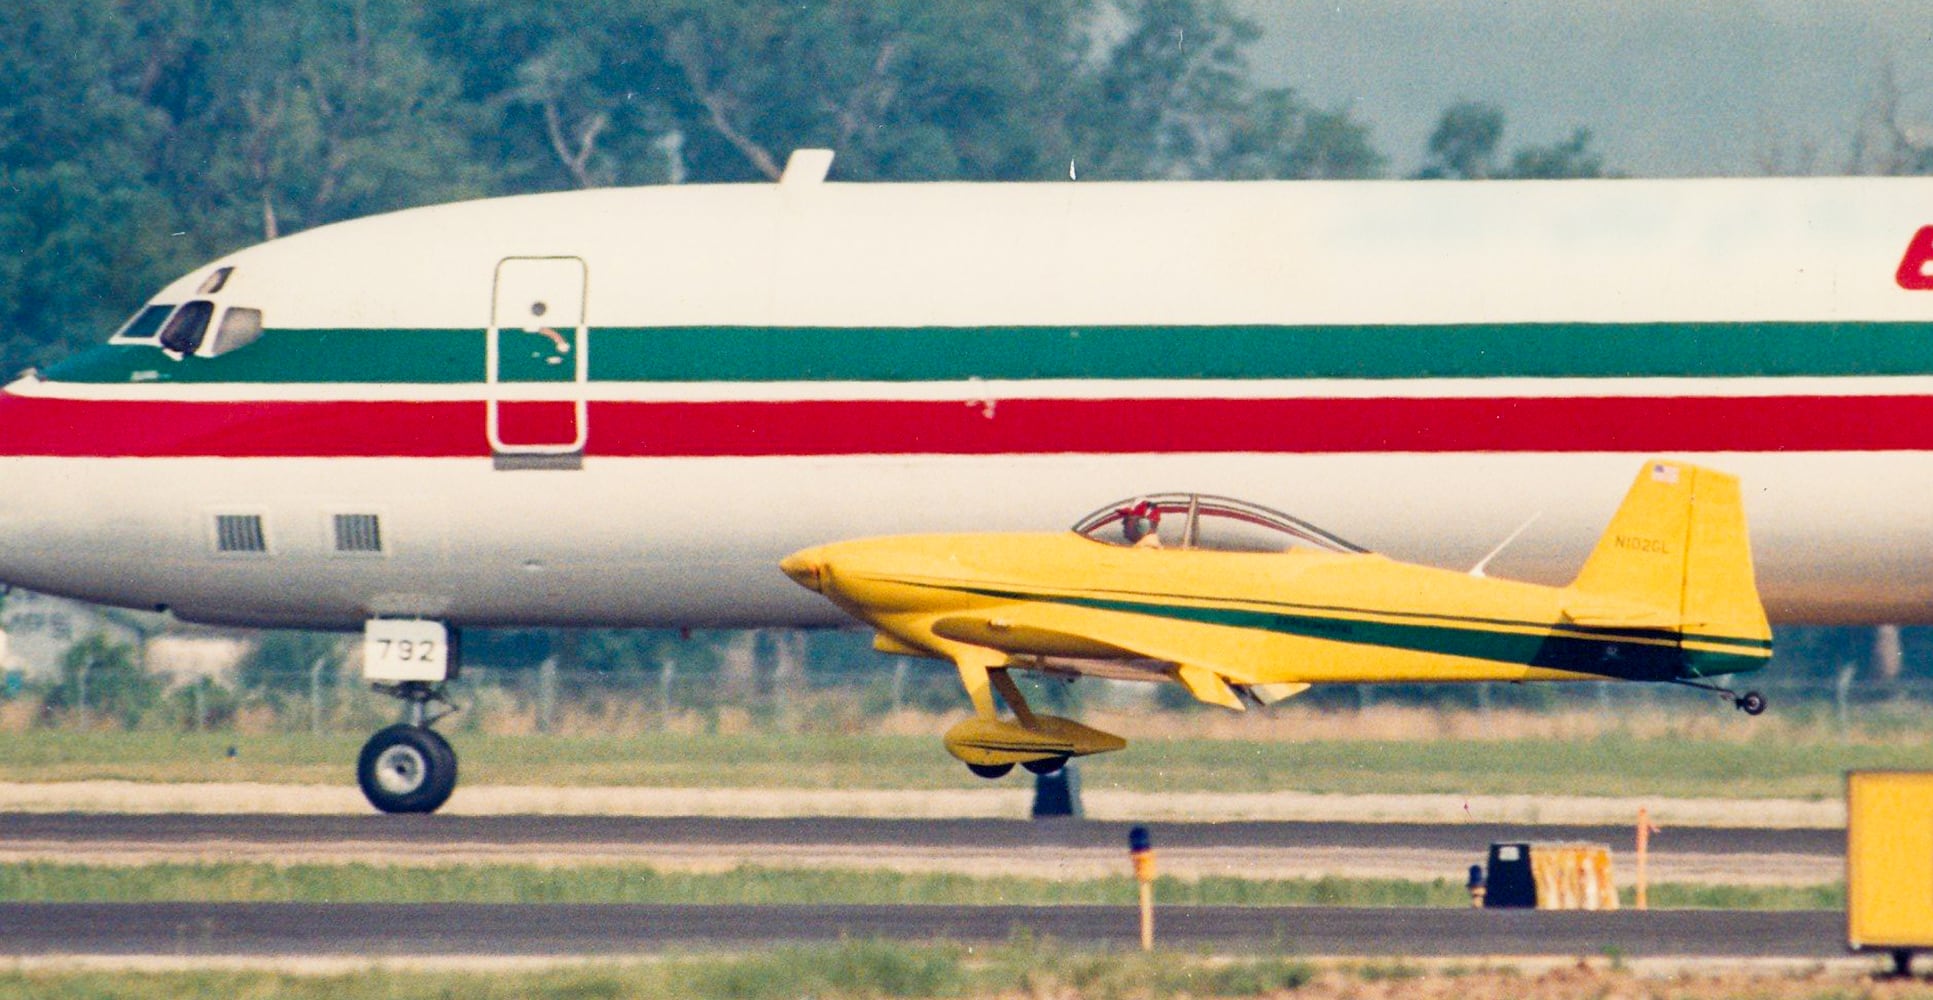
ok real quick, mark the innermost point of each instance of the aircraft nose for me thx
(806, 567)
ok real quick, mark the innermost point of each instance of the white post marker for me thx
(396, 650)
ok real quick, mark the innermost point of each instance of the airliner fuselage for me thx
(622, 407)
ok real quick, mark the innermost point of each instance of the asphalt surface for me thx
(370, 930)
(358, 929)
(564, 832)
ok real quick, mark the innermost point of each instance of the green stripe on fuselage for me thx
(421, 357)
(1607, 655)
(876, 354)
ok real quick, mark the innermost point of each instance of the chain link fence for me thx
(781, 680)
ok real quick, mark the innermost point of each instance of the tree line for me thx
(139, 138)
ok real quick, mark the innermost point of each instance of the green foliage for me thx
(1048, 968)
(280, 663)
(848, 969)
(202, 704)
(137, 140)
(1559, 161)
(747, 885)
(1468, 135)
(1391, 970)
(1464, 142)
(1675, 896)
(861, 968)
(101, 678)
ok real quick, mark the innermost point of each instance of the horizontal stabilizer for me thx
(1207, 685)
(1269, 694)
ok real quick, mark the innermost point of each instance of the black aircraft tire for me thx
(1751, 703)
(407, 769)
(990, 771)
(1048, 766)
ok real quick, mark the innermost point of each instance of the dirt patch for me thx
(1507, 979)
(1480, 978)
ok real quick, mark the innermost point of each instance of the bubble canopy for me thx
(1205, 522)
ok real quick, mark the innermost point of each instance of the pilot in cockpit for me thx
(1141, 525)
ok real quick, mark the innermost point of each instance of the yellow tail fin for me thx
(1677, 547)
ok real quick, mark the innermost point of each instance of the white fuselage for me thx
(720, 376)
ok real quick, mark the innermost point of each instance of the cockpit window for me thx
(187, 326)
(1200, 521)
(216, 280)
(239, 328)
(143, 325)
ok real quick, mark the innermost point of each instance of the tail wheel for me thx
(407, 769)
(990, 771)
(1751, 703)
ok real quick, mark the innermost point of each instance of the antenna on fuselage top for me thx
(806, 166)
(1477, 570)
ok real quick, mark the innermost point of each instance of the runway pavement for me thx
(368, 930)
(194, 929)
(1063, 849)
(82, 831)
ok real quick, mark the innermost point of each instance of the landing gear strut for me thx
(1749, 702)
(407, 767)
(990, 746)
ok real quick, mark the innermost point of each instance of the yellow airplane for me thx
(1238, 602)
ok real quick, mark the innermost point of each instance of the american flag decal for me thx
(1663, 473)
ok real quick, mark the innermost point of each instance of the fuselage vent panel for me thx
(240, 533)
(359, 533)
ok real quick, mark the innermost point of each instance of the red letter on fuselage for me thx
(1913, 274)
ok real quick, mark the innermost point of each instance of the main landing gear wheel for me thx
(1751, 703)
(990, 771)
(1048, 766)
(407, 769)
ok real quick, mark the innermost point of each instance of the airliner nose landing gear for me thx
(409, 767)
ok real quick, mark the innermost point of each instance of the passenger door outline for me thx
(537, 337)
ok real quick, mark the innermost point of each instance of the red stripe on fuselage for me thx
(41, 426)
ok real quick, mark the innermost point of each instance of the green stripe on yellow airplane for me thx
(1240, 603)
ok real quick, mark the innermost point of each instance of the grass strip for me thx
(857, 969)
(1616, 764)
(755, 885)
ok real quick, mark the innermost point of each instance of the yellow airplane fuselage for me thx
(1668, 595)
(1295, 617)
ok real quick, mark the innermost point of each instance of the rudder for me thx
(1678, 544)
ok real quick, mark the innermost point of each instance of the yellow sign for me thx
(1889, 860)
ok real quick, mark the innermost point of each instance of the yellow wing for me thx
(1210, 671)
